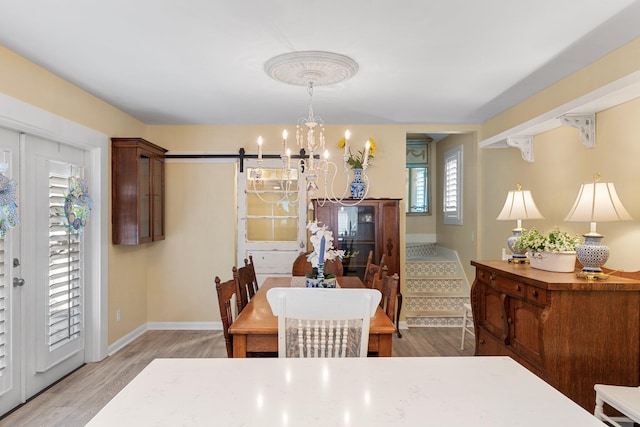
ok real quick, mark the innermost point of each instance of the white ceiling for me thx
(420, 61)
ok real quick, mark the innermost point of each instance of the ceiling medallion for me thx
(314, 68)
(310, 69)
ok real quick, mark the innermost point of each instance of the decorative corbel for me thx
(585, 123)
(524, 144)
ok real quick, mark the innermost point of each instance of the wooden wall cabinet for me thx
(373, 224)
(570, 332)
(137, 191)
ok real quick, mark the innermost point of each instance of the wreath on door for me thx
(8, 207)
(77, 205)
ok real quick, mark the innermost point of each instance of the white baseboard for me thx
(187, 326)
(158, 326)
(118, 345)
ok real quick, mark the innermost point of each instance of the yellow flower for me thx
(356, 161)
(372, 146)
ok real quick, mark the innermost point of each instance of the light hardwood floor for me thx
(74, 400)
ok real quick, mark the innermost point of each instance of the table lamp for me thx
(596, 202)
(519, 205)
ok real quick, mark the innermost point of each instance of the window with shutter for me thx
(452, 191)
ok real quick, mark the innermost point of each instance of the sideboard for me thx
(571, 332)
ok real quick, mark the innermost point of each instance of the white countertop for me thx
(421, 391)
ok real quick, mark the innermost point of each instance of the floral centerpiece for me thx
(323, 251)
(358, 162)
(555, 251)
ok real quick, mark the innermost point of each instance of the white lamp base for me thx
(519, 257)
(592, 255)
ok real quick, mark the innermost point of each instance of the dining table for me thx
(488, 391)
(255, 330)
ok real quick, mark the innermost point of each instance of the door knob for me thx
(18, 282)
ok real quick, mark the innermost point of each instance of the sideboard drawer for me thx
(537, 295)
(509, 287)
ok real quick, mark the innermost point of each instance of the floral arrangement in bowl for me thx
(356, 161)
(533, 240)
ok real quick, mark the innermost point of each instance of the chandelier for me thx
(311, 69)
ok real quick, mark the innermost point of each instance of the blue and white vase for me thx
(357, 185)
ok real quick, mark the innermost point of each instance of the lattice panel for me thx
(425, 250)
(435, 303)
(431, 269)
(434, 321)
(453, 285)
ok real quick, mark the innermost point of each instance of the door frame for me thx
(26, 118)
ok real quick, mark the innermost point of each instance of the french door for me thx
(272, 215)
(41, 271)
(11, 302)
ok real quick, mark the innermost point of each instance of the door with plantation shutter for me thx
(11, 393)
(53, 268)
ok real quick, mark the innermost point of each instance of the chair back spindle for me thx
(323, 322)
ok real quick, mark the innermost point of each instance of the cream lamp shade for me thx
(518, 206)
(596, 202)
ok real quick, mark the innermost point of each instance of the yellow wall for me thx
(172, 280)
(201, 207)
(616, 65)
(26, 81)
(462, 238)
(562, 163)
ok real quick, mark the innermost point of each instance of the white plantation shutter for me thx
(452, 192)
(65, 275)
(63, 299)
(5, 306)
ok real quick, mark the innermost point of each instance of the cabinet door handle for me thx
(518, 288)
(509, 320)
(481, 340)
(535, 292)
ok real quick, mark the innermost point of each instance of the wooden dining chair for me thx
(372, 270)
(247, 283)
(227, 293)
(316, 322)
(242, 290)
(389, 288)
(252, 271)
(301, 266)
